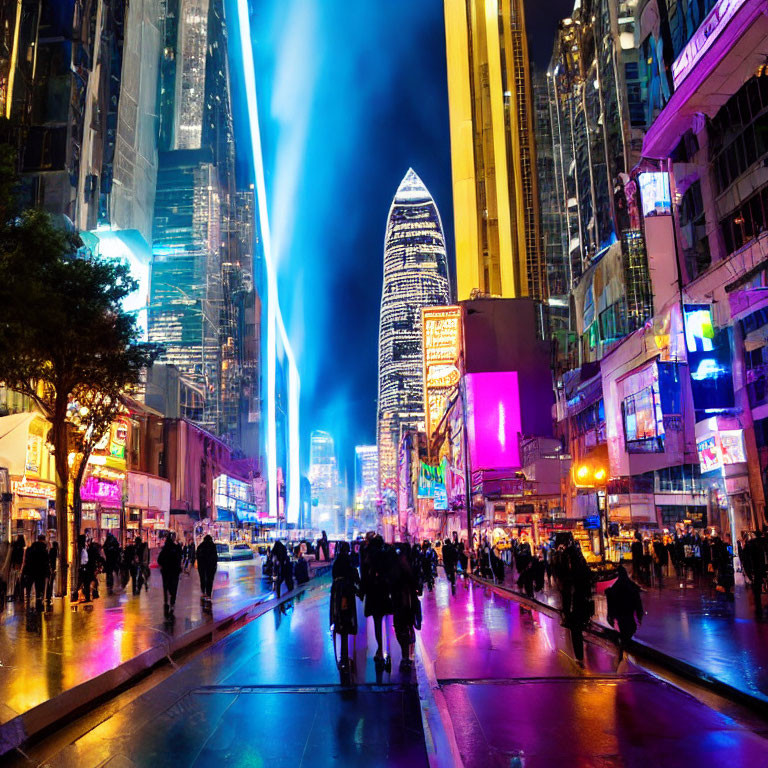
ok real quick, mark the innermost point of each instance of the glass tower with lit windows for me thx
(493, 155)
(415, 276)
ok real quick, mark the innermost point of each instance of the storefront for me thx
(25, 452)
(233, 502)
(148, 506)
(101, 496)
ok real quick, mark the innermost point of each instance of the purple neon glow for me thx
(493, 408)
(104, 491)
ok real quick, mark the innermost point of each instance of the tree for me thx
(63, 334)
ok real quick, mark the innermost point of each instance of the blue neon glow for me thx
(275, 323)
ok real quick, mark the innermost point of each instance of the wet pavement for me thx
(700, 627)
(506, 681)
(267, 694)
(500, 678)
(43, 655)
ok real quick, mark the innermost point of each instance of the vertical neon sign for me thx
(275, 323)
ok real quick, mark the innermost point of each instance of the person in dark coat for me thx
(323, 548)
(142, 560)
(450, 561)
(755, 554)
(111, 560)
(15, 585)
(36, 570)
(169, 561)
(85, 569)
(638, 555)
(301, 569)
(406, 609)
(207, 562)
(95, 566)
(281, 567)
(660, 560)
(574, 580)
(343, 610)
(53, 561)
(129, 567)
(625, 608)
(374, 579)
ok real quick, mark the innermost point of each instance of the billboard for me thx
(493, 419)
(441, 341)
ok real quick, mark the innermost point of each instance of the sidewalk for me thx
(56, 662)
(720, 640)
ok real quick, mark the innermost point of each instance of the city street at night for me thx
(383, 383)
(494, 682)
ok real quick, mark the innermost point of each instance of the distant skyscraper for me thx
(495, 195)
(415, 276)
(366, 484)
(324, 479)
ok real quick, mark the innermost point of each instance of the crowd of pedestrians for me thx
(24, 569)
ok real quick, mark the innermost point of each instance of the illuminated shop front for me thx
(25, 452)
(101, 495)
(235, 509)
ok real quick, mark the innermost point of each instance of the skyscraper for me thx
(324, 479)
(495, 195)
(366, 484)
(415, 276)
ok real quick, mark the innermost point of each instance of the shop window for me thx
(613, 321)
(746, 222)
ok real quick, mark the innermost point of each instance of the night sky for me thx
(351, 95)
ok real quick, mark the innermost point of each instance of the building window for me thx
(694, 240)
(746, 222)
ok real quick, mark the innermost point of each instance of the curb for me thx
(645, 651)
(74, 701)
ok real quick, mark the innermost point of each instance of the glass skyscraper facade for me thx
(415, 276)
(493, 156)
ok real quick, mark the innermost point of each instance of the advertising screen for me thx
(710, 457)
(643, 419)
(493, 408)
(441, 336)
(709, 360)
(655, 195)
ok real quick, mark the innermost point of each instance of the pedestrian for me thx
(36, 570)
(660, 560)
(638, 554)
(191, 553)
(375, 590)
(755, 556)
(53, 561)
(129, 566)
(169, 560)
(95, 565)
(111, 561)
(323, 547)
(281, 567)
(574, 580)
(84, 569)
(207, 562)
(406, 608)
(428, 565)
(450, 560)
(142, 561)
(343, 613)
(301, 570)
(722, 564)
(5, 570)
(16, 563)
(625, 608)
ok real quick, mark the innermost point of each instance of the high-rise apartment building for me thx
(493, 156)
(415, 276)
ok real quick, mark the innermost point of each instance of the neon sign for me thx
(441, 339)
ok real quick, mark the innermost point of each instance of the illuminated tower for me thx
(415, 276)
(495, 194)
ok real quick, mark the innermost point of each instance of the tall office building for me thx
(493, 156)
(415, 276)
(366, 485)
(324, 480)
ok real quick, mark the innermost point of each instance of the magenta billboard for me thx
(493, 414)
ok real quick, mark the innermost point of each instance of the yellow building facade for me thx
(493, 156)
